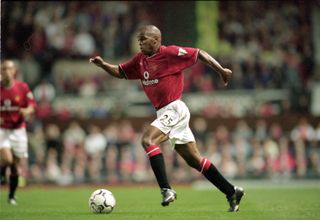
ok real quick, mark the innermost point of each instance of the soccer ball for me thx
(102, 201)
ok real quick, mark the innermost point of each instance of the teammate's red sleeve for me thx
(130, 69)
(29, 97)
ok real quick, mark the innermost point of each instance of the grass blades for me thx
(143, 202)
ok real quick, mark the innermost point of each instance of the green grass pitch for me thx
(143, 202)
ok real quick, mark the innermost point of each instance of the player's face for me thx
(147, 44)
(8, 71)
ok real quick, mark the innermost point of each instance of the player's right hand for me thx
(96, 60)
(226, 76)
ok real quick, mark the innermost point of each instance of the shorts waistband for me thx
(170, 103)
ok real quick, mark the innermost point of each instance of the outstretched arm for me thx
(224, 73)
(113, 70)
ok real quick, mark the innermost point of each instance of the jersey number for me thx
(166, 120)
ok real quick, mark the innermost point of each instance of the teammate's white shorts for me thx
(16, 140)
(173, 119)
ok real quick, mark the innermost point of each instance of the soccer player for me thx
(160, 68)
(17, 103)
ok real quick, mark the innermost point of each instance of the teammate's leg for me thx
(192, 156)
(150, 141)
(6, 159)
(13, 180)
(19, 150)
(3, 176)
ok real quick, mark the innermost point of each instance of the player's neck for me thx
(155, 51)
(7, 83)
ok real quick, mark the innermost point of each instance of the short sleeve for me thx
(29, 96)
(130, 69)
(181, 58)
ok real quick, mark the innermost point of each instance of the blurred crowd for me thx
(269, 51)
(272, 50)
(114, 154)
(40, 33)
(268, 45)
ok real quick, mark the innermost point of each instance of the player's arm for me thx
(225, 73)
(28, 111)
(113, 70)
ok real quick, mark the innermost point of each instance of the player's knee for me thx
(6, 161)
(192, 162)
(6, 157)
(14, 169)
(146, 141)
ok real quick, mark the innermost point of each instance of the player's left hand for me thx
(25, 112)
(226, 75)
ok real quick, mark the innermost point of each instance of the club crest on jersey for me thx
(182, 52)
(146, 80)
(17, 98)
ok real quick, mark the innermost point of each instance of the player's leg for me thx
(6, 160)
(5, 154)
(3, 176)
(190, 153)
(19, 144)
(14, 179)
(150, 141)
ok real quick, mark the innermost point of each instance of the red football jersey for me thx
(12, 99)
(161, 74)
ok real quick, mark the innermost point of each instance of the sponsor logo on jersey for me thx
(146, 80)
(146, 75)
(8, 107)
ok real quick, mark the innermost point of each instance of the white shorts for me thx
(173, 119)
(16, 140)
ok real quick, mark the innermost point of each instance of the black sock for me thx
(159, 170)
(13, 184)
(3, 169)
(157, 165)
(215, 177)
